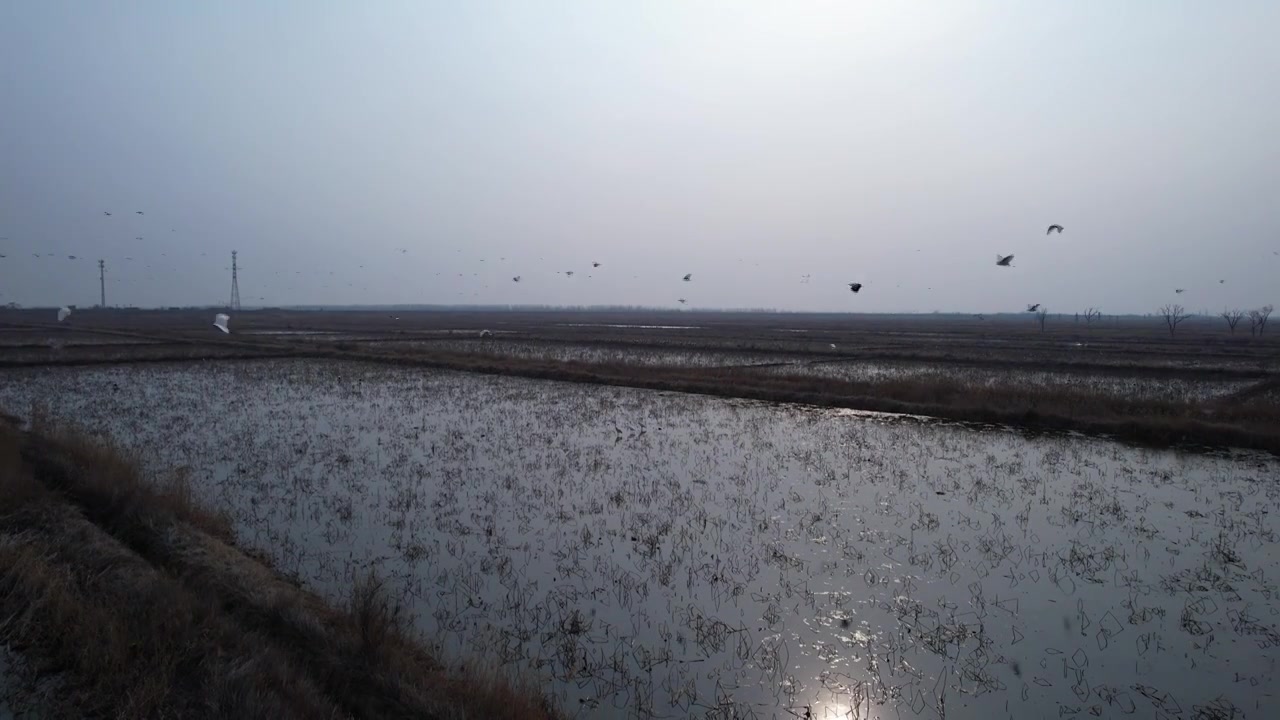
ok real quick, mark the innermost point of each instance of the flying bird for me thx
(688, 277)
(63, 313)
(1179, 291)
(1033, 308)
(1052, 228)
(104, 212)
(515, 279)
(221, 321)
(682, 301)
(139, 212)
(568, 273)
(1004, 260)
(71, 257)
(855, 287)
(595, 264)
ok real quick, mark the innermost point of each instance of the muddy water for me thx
(660, 555)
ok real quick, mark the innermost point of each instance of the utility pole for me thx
(235, 284)
(102, 283)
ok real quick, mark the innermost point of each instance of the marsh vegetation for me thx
(656, 554)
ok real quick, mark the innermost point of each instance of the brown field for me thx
(1124, 377)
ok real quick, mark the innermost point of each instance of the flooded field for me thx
(662, 555)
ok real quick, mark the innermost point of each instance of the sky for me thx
(428, 152)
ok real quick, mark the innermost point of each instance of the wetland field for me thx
(646, 553)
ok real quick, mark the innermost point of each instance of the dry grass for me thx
(1249, 419)
(1254, 425)
(134, 596)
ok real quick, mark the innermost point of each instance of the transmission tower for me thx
(235, 284)
(102, 283)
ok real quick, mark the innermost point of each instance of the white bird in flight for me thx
(221, 321)
(63, 313)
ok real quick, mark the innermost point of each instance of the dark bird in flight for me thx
(1221, 281)
(682, 301)
(855, 287)
(104, 212)
(71, 257)
(595, 264)
(1052, 228)
(568, 273)
(1033, 308)
(139, 212)
(1179, 291)
(688, 277)
(515, 279)
(1004, 260)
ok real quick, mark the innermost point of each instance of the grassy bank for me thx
(137, 602)
(1246, 419)
(1252, 423)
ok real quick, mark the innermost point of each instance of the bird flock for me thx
(855, 287)
(221, 320)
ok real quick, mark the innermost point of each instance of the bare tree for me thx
(1173, 316)
(1090, 315)
(1258, 319)
(1041, 314)
(1233, 318)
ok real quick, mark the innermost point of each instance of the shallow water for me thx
(662, 555)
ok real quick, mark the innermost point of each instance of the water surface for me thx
(654, 554)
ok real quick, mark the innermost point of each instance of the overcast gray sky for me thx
(899, 144)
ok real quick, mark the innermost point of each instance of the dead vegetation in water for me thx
(132, 596)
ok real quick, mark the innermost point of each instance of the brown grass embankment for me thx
(1161, 423)
(136, 598)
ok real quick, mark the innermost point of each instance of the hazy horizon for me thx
(898, 145)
